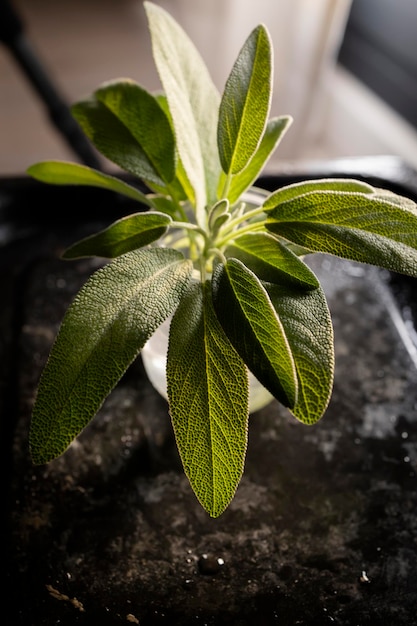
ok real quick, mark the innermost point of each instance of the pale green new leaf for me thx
(250, 321)
(129, 233)
(289, 192)
(274, 132)
(65, 173)
(271, 260)
(306, 320)
(181, 186)
(140, 112)
(114, 140)
(208, 397)
(245, 104)
(104, 329)
(193, 102)
(357, 226)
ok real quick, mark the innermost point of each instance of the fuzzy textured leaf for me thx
(129, 233)
(356, 226)
(65, 173)
(274, 132)
(250, 321)
(111, 137)
(104, 329)
(208, 396)
(295, 190)
(245, 104)
(271, 260)
(193, 102)
(306, 320)
(140, 112)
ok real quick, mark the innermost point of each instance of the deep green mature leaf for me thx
(129, 233)
(274, 132)
(111, 137)
(193, 102)
(104, 329)
(140, 112)
(306, 320)
(245, 104)
(208, 395)
(252, 325)
(64, 173)
(356, 226)
(271, 260)
(289, 192)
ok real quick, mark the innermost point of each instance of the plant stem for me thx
(250, 228)
(243, 218)
(226, 186)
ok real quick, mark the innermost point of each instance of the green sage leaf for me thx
(274, 132)
(295, 190)
(180, 186)
(306, 320)
(193, 102)
(208, 396)
(356, 226)
(129, 233)
(245, 104)
(114, 140)
(65, 173)
(250, 321)
(104, 329)
(271, 260)
(140, 112)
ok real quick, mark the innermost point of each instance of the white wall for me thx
(306, 35)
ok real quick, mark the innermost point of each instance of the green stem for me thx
(226, 186)
(251, 228)
(188, 226)
(217, 252)
(243, 218)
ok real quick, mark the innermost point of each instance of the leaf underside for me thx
(307, 323)
(208, 398)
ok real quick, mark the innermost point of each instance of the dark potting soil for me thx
(323, 528)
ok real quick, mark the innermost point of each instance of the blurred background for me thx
(346, 70)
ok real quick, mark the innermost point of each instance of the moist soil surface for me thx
(323, 527)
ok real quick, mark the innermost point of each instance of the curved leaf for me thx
(295, 190)
(250, 321)
(208, 395)
(193, 102)
(129, 233)
(356, 226)
(245, 104)
(111, 137)
(66, 173)
(308, 328)
(104, 329)
(140, 112)
(271, 260)
(274, 132)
